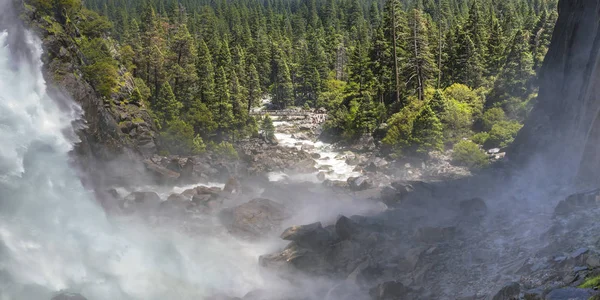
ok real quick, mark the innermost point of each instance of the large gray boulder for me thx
(255, 219)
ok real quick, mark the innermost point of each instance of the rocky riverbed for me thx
(366, 229)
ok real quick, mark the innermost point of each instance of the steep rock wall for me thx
(562, 133)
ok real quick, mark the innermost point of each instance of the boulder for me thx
(321, 176)
(510, 291)
(137, 201)
(255, 219)
(335, 183)
(160, 173)
(305, 166)
(307, 147)
(312, 236)
(315, 155)
(391, 290)
(201, 199)
(232, 186)
(377, 164)
(474, 208)
(69, 296)
(360, 183)
(346, 228)
(295, 258)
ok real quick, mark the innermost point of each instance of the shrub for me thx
(480, 137)
(457, 119)
(225, 149)
(491, 117)
(179, 138)
(103, 76)
(502, 134)
(468, 154)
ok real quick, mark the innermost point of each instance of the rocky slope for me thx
(563, 130)
(113, 127)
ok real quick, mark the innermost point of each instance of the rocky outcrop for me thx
(562, 132)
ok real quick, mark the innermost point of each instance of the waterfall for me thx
(54, 236)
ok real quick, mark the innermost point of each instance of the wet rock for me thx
(474, 208)
(570, 293)
(69, 296)
(200, 190)
(577, 202)
(305, 166)
(533, 294)
(255, 218)
(295, 258)
(160, 173)
(376, 165)
(140, 201)
(201, 199)
(321, 176)
(346, 228)
(360, 183)
(307, 147)
(435, 234)
(312, 236)
(510, 291)
(391, 290)
(315, 155)
(232, 186)
(335, 183)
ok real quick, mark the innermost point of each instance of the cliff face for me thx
(562, 133)
(114, 126)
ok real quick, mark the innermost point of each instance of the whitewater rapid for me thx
(54, 236)
(331, 163)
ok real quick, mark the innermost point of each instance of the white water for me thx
(54, 236)
(335, 161)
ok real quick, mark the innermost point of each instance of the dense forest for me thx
(419, 75)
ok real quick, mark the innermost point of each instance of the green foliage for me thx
(457, 120)
(166, 107)
(103, 75)
(467, 153)
(502, 134)
(427, 131)
(179, 138)
(491, 117)
(224, 149)
(480, 137)
(414, 130)
(268, 128)
(363, 62)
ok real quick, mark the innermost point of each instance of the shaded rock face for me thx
(564, 123)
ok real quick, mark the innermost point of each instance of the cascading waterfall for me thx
(53, 236)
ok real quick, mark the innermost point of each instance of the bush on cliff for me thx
(179, 138)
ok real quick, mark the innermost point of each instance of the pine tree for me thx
(495, 49)
(206, 75)
(420, 65)
(515, 78)
(438, 103)
(166, 107)
(254, 90)
(222, 108)
(282, 90)
(183, 64)
(427, 131)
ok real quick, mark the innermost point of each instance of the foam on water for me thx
(329, 158)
